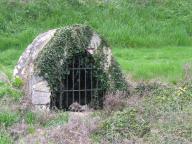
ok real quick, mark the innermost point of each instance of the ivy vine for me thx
(53, 61)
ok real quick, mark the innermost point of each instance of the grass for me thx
(155, 27)
(61, 119)
(151, 39)
(162, 115)
(8, 118)
(123, 124)
(4, 137)
(11, 90)
(165, 64)
(170, 115)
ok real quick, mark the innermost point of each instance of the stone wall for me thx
(36, 89)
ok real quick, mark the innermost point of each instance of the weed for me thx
(8, 118)
(18, 83)
(30, 118)
(61, 119)
(7, 89)
(114, 101)
(31, 129)
(4, 137)
(123, 124)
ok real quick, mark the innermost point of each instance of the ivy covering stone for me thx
(68, 42)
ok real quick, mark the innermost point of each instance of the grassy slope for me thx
(150, 39)
(147, 25)
(165, 64)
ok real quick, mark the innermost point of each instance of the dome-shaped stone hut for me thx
(67, 65)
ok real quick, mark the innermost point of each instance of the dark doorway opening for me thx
(80, 85)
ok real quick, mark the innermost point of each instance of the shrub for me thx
(114, 101)
(17, 82)
(123, 124)
(169, 112)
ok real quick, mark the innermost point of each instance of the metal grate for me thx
(80, 85)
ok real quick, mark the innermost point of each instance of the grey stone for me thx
(40, 98)
(36, 88)
(41, 93)
(41, 86)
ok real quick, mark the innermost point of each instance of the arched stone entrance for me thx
(58, 68)
(80, 85)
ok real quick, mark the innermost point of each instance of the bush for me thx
(170, 115)
(114, 101)
(123, 125)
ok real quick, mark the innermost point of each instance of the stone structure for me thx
(36, 88)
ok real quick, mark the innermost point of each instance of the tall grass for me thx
(125, 24)
(166, 63)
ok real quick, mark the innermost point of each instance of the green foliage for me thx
(123, 124)
(169, 111)
(4, 137)
(126, 24)
(165, 64)
(118, 80)
(18, 83)
(31, 129)
(67, 43)
(8, 90)
(59, 120)
(169, 99)
(8, 118)
(30, 118)
(134, 28)
(147, 23)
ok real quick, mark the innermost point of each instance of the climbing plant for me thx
(53, 61)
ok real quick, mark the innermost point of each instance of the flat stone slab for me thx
(40, 98)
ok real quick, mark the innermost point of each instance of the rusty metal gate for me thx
(80, 84)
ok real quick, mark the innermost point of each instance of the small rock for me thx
(75, 107)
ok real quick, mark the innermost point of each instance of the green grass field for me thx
(151, 39)
(165, 64)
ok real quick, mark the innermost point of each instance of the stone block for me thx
(40, 98)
